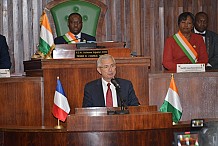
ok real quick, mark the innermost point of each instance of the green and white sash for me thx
(186, 47)
(70, 38)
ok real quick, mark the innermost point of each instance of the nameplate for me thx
(4, 73)
(90, 53)
(59, 53)
(190, 68)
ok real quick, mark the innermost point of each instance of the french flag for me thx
(61, 106)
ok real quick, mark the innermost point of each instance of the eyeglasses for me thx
(108, 66)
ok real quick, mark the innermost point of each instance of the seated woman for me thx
(184, 47)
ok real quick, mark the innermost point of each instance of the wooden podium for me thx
(96, 119)
(66, 51)
(75, 73)
(143, 126)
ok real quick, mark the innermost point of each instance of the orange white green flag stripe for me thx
(172, 102)
(46, 41)
(70, 38)
(186, 47)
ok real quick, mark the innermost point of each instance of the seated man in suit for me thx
(210, 39)
(5, 62)
(74, 35)
(101, 92)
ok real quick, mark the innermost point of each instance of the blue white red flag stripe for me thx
(61, 106)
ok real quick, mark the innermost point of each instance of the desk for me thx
(198, 92)
(47, 136)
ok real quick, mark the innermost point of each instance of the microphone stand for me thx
(123, 107)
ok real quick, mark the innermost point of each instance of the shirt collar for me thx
(79, 35)
(104, 82)
(204, 32)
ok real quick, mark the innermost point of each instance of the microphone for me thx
(114, 82)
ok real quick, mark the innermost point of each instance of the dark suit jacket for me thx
(211, 40)
(84, 37)
(94, 96)
(5, 62)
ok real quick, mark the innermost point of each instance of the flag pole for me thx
(58, 126)
(172, 76)
(61, 106)
(174, 123)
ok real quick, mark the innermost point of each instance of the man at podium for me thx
(74, 35)
(109, 91)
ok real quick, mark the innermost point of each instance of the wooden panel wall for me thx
(142, 24)
(22, 101)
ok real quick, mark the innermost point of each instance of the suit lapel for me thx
(99, 93)
(82, 38)
(208, 43)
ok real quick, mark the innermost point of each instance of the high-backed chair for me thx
(92, 12)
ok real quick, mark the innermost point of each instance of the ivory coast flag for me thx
(61, 106)
(46, 41)
(172, 102)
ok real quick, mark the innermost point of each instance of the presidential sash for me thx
(186, 47)
(70, 38)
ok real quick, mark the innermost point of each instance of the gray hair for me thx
(104, 57)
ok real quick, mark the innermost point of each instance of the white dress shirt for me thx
(113, 90)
